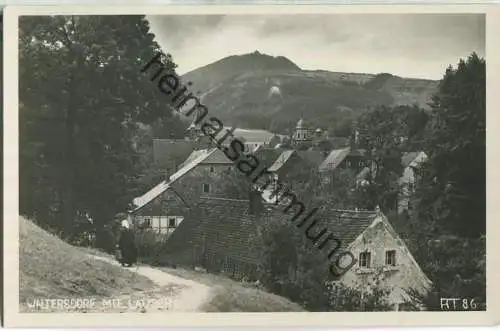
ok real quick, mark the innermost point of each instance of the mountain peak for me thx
(257, 61)
(238, 64)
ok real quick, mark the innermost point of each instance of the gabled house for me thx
(254, 138)
(381, 255)
(164, 206)
(344, 158)
(219, 235)
(289, 167)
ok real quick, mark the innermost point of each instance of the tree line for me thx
(82, 111)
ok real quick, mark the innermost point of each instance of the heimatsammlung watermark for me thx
(171, 85)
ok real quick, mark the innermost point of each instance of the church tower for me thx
(302, 135)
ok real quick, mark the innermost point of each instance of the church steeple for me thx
(302, 134)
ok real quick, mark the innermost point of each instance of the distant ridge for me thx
(237, 88)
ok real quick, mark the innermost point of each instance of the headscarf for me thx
(125, 224)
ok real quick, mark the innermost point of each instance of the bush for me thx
(343, 298)
(149, 245)
(291, 267)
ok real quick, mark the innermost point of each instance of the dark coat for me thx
(127, 246)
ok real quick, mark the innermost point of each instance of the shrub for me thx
(149, 245)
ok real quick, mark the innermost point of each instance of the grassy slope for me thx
(51, 268)
(232, 296)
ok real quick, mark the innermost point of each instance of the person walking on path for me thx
(126, 245)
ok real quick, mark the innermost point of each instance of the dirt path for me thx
(184, 295)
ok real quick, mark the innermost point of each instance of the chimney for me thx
(256, 205)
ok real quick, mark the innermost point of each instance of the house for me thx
(290, 167)
(411, 163)
(343, 158)
(164, 206)
(254, 138)
(381, 255)
(217, 235)
(220, 236)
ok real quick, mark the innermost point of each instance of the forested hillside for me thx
(264, 92)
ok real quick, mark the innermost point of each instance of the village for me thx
(369, 194)
(201, 223)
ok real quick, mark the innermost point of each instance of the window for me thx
(212, 169)
(156, 223)
(171, 222)
(390, 258)
(206, 188)
(365, 259)
(146, 223)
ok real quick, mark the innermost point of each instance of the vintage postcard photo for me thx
(268, 165)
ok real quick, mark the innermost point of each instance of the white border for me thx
(11, 189)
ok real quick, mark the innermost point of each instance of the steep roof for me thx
(225, 227)
(159, 189)
(253, 135)
(333, 159)
(194, 154)
(221, 226)
(190, 166)
(217, 157)
(149, 196)
(345, 225)
(267, 156)
(281, 160)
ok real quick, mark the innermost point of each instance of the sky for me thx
(407, 45)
